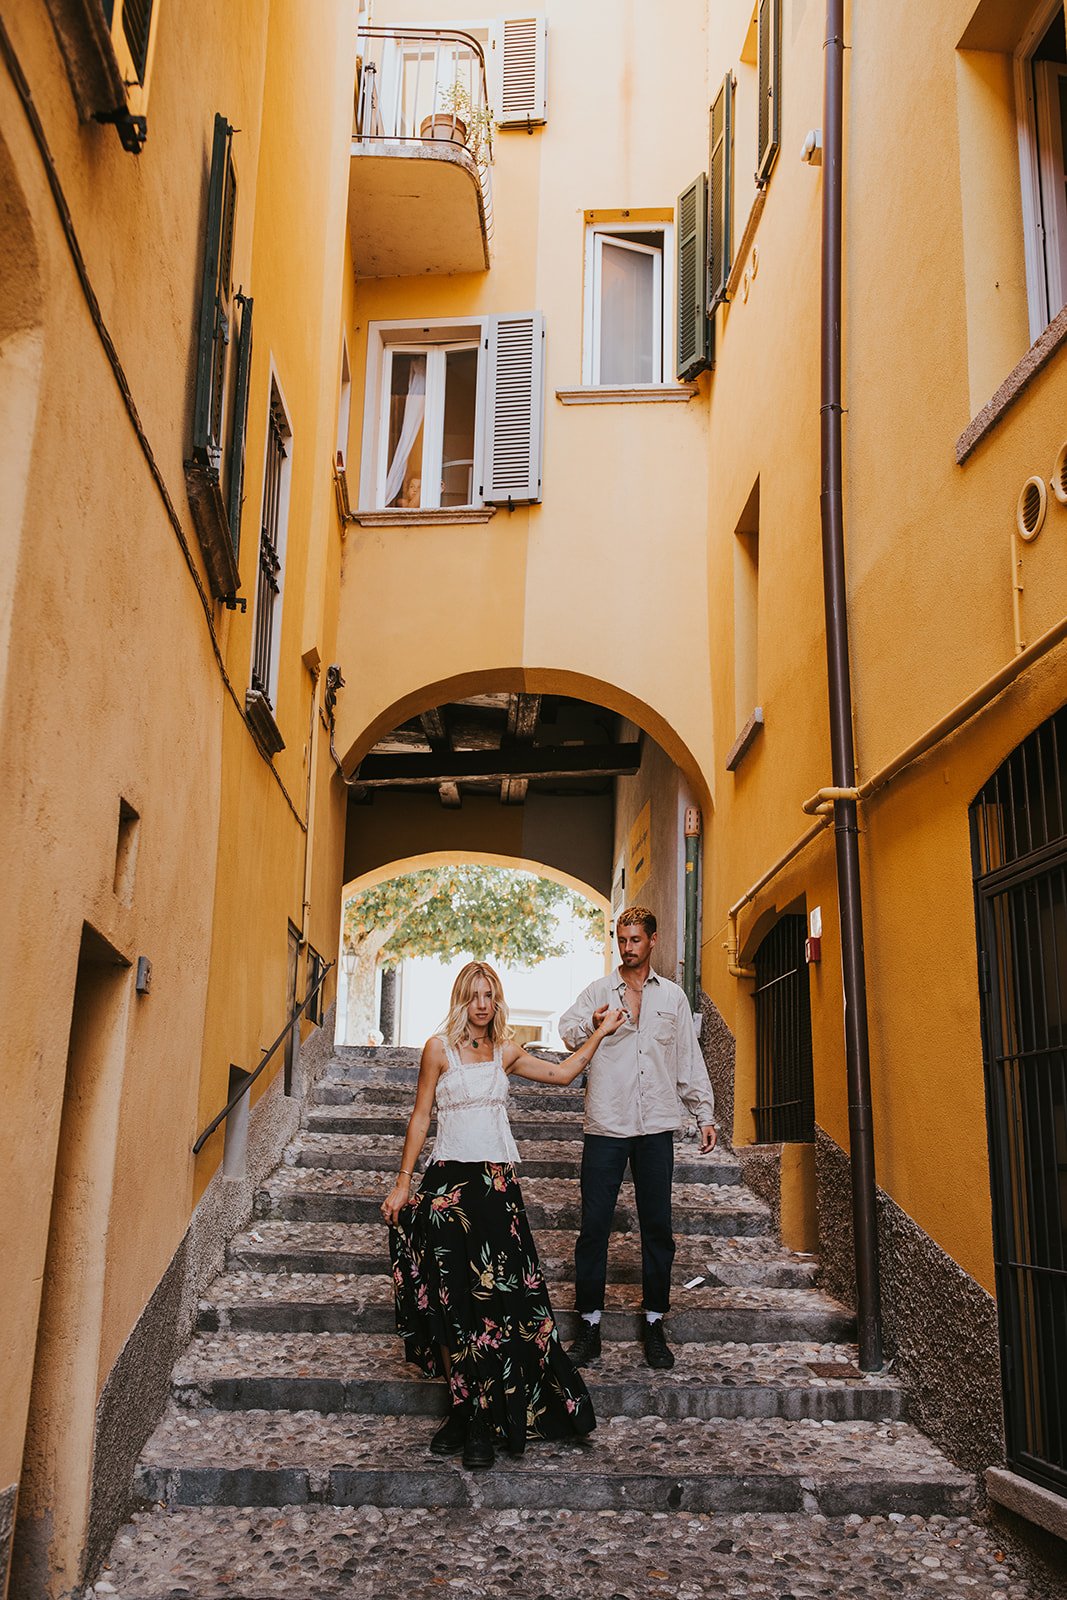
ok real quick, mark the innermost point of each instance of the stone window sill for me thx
(1016, 383)
(1029, 1500)
(745, 740)
(605, 394)
(744, 249)
(416, 517)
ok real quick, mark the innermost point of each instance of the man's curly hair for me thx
(640, 916)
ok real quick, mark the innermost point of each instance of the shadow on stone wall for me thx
(940, 1326)
(717, 1045)
(138, 1385)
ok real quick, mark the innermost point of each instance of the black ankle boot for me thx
(449, 1438)
(478, 1445)
(586, 1346)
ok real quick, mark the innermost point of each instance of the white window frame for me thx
(344, 407)
(621, 233)
(433, 336)
(1031, 144)
(274, 389)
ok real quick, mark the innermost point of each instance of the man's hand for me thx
(598, 1016)
(708, 1137)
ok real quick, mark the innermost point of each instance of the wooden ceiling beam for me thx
(522, 761)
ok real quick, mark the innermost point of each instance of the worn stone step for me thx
(334, 1553)
(368, 1373)
(548, 1158)
(354, 1121)
(329, 1247)
(308, 1194)
(653, 1464)
(363, 1303)
(396, 1098)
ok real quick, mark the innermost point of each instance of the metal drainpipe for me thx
(857, 1049)
(692, 880)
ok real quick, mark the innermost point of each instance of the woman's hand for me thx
(610, 1021)
(396, 1200)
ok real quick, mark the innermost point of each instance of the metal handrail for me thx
(239, 1094)
(429, 96)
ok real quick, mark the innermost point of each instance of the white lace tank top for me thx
(472, 1111)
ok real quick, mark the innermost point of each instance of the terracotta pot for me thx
(443, 125)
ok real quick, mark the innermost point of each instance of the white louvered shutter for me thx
(514, 412)
(524, 44)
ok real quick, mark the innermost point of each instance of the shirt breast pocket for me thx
(663, 1027)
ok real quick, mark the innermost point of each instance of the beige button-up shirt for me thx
(641, 1078)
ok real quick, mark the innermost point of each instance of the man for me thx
(636, 1085)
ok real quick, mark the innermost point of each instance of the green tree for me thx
(491, 912)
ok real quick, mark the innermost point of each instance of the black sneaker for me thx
(478, 1445)
(586, 1346)
(450, 1436)
(657, 1351)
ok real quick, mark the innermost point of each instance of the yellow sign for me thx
(639, 864)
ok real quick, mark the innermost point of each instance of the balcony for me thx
(420, 196)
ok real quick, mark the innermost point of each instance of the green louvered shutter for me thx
(240, 421)
(720, 200)
(137, 25)
(691, 232)
(213, 334)
(770, 87)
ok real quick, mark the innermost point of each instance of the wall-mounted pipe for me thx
(842, 753)
(692, 906)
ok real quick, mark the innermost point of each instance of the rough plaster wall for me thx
(138, 1385)
(940, 1326)
(717, 1044)
(7, 1528)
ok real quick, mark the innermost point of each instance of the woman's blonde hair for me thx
(454, 1027)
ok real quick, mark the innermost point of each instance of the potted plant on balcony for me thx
(460, 121)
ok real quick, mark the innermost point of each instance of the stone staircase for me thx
(292, 1459)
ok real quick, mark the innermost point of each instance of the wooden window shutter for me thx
(213, 333)
(240, 421)
(694, 327)
(524, 47)
(770, 87)
(720, 200)
(515, 398)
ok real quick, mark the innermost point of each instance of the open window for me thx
(1041, 106)
(454, 414)
(628, 271)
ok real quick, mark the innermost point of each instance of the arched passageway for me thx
(525, 767)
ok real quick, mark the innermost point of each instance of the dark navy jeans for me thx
(651, 1158)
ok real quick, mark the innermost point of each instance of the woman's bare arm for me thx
(520, 1063)
(431, 1066)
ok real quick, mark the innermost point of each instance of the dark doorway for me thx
(785, 1088)
(1019, 841)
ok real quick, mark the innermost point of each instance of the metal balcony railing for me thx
(425, 87)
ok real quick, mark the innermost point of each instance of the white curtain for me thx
(414, 411)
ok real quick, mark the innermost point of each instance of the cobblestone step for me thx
(336, 1373)
(371, 1097)
(363, 1303)
(219, 1553)
(308, 1194)
(354, 1121)
(341, 1247)
(291, 1458)
(546, 1158)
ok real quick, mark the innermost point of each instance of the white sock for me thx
(592, 1317)
(653, 1316)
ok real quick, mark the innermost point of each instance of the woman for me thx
(471, 1300)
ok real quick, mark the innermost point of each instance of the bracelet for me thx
(405, 1172)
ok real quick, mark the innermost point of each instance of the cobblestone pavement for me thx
(292, 1460)
(208, 1554)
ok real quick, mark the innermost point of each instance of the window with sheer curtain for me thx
(626, 310)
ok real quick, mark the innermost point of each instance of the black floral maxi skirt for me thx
(466, 1276)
